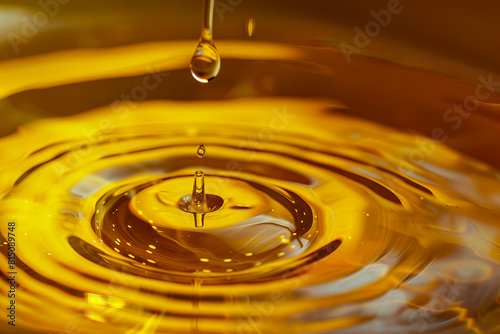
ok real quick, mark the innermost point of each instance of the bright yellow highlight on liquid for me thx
(250, 27)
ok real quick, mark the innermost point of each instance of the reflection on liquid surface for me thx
(325, 221)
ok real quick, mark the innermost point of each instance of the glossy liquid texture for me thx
(324, 223)
(205, 64)
(200, 152)
(198, 203)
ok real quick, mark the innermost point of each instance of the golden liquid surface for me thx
(325, 226)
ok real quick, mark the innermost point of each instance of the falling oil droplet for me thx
(200, 151)
(205, 64)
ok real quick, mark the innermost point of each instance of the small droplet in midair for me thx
(200, 151)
